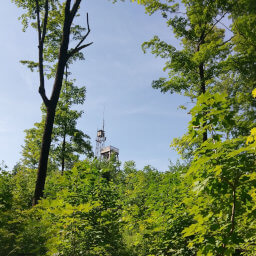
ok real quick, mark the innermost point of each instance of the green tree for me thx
(68, 142)
(55, 30)
(199, 63)
(219, 195)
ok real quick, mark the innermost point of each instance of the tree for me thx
(219, 195)
(68, 142)
(72, 140)
(198, 65)
(54, 30)
(220, 75)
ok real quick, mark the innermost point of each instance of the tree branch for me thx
(243, 35)
(38, 21)
(225, 26)
(67, 10)
(228, 182)
(79, 45)
(74, 10)
(78, 49)
(40, 49)
(46, 7)
(41, 91)
(212, 27)
(233, 212)
(226, 41)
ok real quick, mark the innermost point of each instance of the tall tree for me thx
(68, 142)
(72, 141)
(222, 190)
(54, 31)
(197, 65)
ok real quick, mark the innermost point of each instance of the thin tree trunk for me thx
(202, 77)
(233, 213)
(63, 152)
(202, 91)
(46, 142)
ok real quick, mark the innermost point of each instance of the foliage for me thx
(203, 50)
(79, 216)
(53, 21)
(204, 207)
(218, 76)
(68, 142)
(53, 37)
(96, 209)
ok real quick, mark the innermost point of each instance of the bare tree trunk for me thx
(45, 148)
(46, 142)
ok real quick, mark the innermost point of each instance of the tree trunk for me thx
(233, 211)
(202, 77)
(63, 152)
(202, 91)
(46, 142)
(45, 148)
(233, 215)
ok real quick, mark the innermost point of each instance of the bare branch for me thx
(74, 10)
(46, 7)
(38, 21)
(40, 49)
(217, 21)
(78, 49)
(226, 41)
(225, 26)
(88, 31)
(212, 27)
(79, 45)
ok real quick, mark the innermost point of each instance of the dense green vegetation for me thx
(204, 205)
(95, 209)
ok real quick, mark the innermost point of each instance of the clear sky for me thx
(139, 120)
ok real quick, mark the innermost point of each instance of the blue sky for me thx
(139, 120)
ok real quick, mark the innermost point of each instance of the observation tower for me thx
(102, 152)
